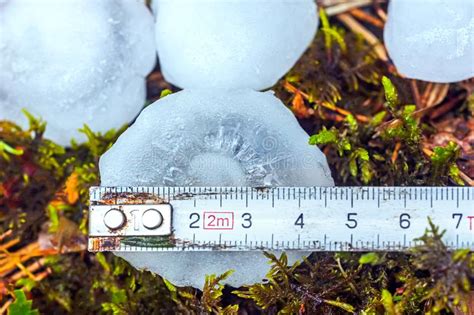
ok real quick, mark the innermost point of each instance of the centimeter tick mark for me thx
(299, 198)
(352, 198)
(247, 198)
(220, 198)
(431, 199)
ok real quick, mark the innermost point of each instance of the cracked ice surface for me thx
(213, 138)
(431, 40)
(249, 43)
(74, 62)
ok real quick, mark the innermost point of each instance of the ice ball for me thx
(213, 138)
(232, 43)
(75, 62)
(431, 40)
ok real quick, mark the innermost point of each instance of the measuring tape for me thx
(280, 218)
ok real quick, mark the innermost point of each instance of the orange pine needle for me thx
(72, 193)
(356, 27)
(395, 152)
(299, 107)
(366, 17)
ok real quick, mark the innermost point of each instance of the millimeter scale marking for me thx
(277, 218)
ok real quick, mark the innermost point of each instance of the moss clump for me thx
(375, 128)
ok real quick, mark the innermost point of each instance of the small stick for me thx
(447, 106)
(6, 234)
(332, 116)
(43, 275)
(344, 7)
(356, 27)
(395, 152)
(466, 178)
(416, 93)
(426, 93)
(366, 17)
(343, 112)
(438, 93)
(9, 244)
(381, 13)
(4, 308)
(292, 89)
(32, 268)
(26, 271)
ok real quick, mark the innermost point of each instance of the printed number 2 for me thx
(194, 216)
(299, 221)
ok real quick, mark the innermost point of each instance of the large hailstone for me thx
(74, 62)
(232, 43)
(213, 138)
(431, 40)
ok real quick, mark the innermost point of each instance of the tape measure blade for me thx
(286, 218)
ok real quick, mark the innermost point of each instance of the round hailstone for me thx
(232, 43)
(213, 138)
(431, 40)
(74, 62)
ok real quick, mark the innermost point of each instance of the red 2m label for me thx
(218, 221)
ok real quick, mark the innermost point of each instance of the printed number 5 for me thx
(353, 221)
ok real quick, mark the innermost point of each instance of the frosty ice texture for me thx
(213, 137)
(232, 43)
(431, 40)
(74, 62)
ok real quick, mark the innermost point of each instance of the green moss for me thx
(361, 116)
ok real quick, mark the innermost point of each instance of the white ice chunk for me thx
(74, 62)
(205, 138)
(431, 40)
(232, 43)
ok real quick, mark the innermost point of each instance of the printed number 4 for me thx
(299, 221)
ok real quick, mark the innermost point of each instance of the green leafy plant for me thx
(21, 305)
(444, 162)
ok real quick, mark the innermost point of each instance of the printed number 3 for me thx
(248, 220)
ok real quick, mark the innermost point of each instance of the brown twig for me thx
(381, 13)
(426, 93)
(292, 89)
(437, 95)
(416, 93)
(447, 106)
(346, 6)
(5, 235)
(4, 307)
(366, 17)
(33, 267)
(395, 152)
(356, 27)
